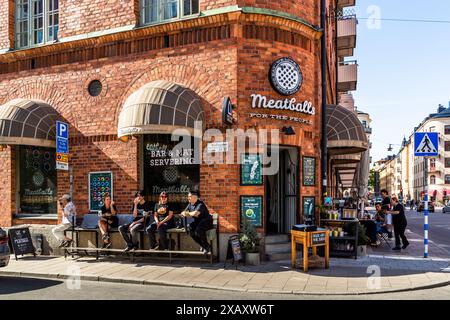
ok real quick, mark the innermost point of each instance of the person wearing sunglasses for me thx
(68, 219)
(163, 215)
(130, 231)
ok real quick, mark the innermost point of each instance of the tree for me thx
(371, 183)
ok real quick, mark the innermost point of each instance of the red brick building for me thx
(139, 69)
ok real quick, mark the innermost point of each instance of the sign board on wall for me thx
(100, 183)
(62, 146)
(251, 170)
(251, 209)
(309, 171)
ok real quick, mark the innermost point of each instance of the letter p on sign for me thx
(62, 129)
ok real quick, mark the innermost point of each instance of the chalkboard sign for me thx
(234, 250)
(100, 183)
(251, 170)
(21, 241)
(251, 209)
(309, 210)
(309, 171)
(318, 238)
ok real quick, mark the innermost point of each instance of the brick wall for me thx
(7, 185)
(6, 24)
(83, 16)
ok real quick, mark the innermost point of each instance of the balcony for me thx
(346, 3)
(346, 36)
(434, 170)
(347, 76)
(368, 130)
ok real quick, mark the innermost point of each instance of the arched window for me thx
(433, 180)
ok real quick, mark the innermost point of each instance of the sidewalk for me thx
(398, 272)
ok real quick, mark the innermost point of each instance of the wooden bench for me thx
(90, 224)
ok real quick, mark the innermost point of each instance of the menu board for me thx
(21, 241)
(251, 170)
(309, 210)
(318, 238)
(251, 209)
(100, 183)
(309, 171)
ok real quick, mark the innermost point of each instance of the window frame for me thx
(433, 177)
(160, 12)
(30, 20)
(447, 129)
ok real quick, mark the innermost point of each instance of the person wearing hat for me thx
(68, 219)
(202, 220)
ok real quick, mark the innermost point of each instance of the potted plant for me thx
(249, 241)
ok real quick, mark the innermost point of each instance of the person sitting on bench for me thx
(203, 221)
(68, 219)
(163, 215)
(130, 231)
(107, 220)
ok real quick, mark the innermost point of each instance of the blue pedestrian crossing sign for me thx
(426, 144)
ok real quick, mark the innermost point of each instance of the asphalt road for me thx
(439, 227)
(42, 289)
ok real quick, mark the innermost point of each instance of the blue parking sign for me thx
(426, 144)
(62, 135)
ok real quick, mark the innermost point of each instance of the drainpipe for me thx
(324, 151)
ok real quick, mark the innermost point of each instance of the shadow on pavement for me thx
(11, 285)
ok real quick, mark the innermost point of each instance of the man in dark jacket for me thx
(202, 220)
(399, 221)
(386, 203)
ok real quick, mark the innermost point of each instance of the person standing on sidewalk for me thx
(130, 231)
(386, 203)
(68, 219)
(399, 221)
(203, 221)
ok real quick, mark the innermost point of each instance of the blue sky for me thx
(404, 67)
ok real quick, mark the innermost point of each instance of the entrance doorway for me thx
(282, 193)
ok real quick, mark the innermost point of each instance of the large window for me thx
(447, 162)
(447, 145)
(447, 129)
(37, 180)
(447, 179)
(433, 180)
(153, 11)
(37, 22)
(170, 169)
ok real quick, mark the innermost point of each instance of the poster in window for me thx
(309, 205)
(37, 176)
(172, 168)
(251, 170)
(100, 184)
(251, 210)
(309, 171)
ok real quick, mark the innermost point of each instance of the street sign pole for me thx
(425, 210)
(426, 144)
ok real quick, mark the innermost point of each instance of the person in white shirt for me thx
(68, 218)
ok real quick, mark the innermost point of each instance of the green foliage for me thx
(362, 238)
(249, 238)
(323, 211)
(371, 183)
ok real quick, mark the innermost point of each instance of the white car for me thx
(4, 248)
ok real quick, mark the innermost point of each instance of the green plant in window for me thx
(249, 238)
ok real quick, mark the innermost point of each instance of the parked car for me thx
(446, 209)
(4, 248)
(421, 206)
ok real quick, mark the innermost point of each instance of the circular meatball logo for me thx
(286, 76)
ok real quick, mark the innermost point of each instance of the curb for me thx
(230, 289)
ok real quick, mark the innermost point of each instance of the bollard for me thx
(425, 226)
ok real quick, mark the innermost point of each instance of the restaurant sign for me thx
(260, 101)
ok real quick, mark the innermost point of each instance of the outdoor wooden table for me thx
(310, 240)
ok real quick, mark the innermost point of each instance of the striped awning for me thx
(345, 132)
(159, 107)
(28, 122)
